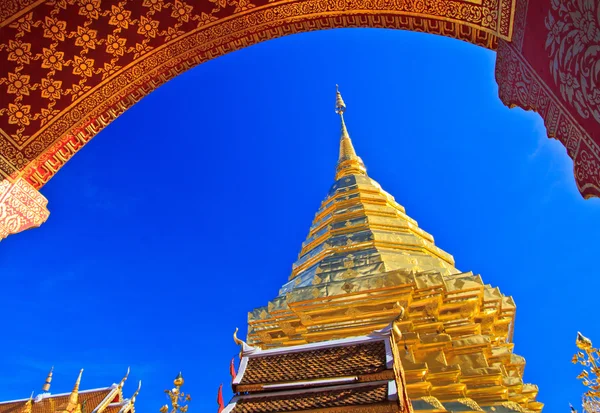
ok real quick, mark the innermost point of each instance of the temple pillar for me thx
(21, 207)
(551, 66)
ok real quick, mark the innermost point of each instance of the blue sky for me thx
(189, 210)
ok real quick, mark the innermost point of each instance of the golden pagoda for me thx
(365, 267)
(102, 400)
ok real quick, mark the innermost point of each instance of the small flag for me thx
(232, 370)
(220, 399)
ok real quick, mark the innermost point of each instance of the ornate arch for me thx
(72, 66)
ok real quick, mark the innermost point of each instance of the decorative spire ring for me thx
(46, 386)
(340, 106)
(348, 162)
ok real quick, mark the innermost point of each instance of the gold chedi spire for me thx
(363, 261)
(74, 397)
(27, 407)
(72, 405)
(348, 163)
(46, 386)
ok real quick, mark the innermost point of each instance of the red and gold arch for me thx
(70, 67)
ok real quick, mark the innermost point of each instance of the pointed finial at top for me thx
(122, 382)
(244, 347)
(28, 405)
(583, 342)
(340, 106)
(348, 162)
(178, 380)
(46, 386)
(74, 397)
(132, 400)
(236, 339)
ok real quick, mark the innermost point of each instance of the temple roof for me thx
(350, 360)
(101, 400)
(356, 396)
(50, 403)
(342, 360)
(355, 373)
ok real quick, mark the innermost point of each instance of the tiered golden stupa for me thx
(103, 400)
(364, 262)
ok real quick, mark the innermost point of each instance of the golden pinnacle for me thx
(583, 342)
(178, 398)
(178, 382)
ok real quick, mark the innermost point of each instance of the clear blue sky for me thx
(189, 210)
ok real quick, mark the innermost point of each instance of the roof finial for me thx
(122, 382)
(238, 342)
(74, 397)
(348, 163)
(244, 347)
(132, 400)
(236, 339)
(46, 386)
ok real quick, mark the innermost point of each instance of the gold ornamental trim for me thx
(41, 154)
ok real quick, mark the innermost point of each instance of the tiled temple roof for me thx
(351, 360)
(356, 395)
(102, 400)
(51, 403)
(355, 374)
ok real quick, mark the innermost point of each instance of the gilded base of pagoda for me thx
(456, 331)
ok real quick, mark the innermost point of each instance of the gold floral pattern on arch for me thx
(93, 51)
(573, 42)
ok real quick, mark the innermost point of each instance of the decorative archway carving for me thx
(72, 66)
(555, 49)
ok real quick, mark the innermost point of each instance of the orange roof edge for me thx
(50, 395)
